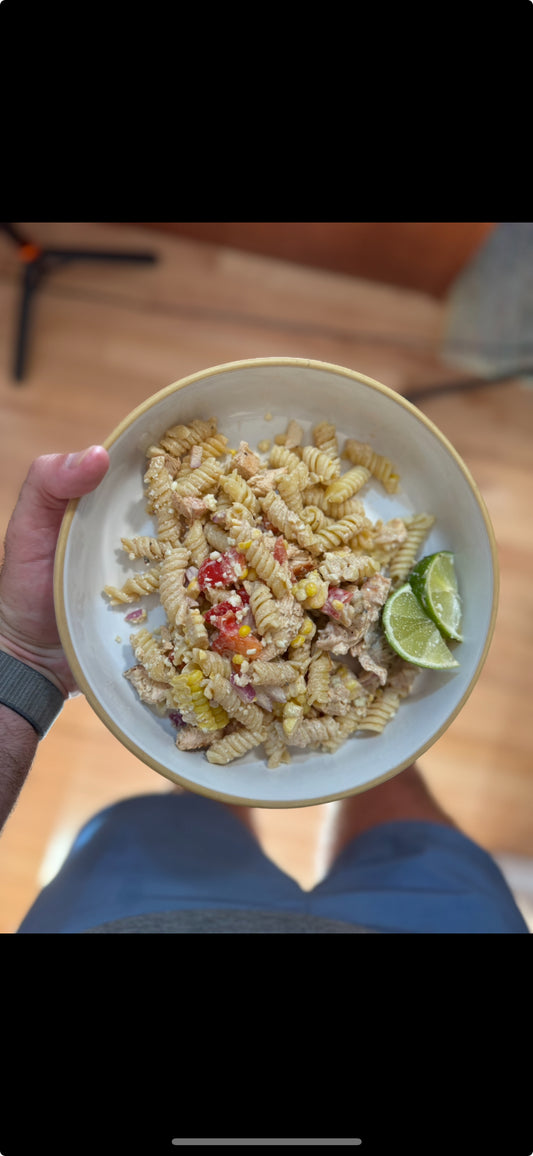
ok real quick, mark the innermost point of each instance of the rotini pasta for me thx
(264, 607)
(381, 710)
(226, 696)
(171, 589)
(325, 437)
(152, 549)
(196, 543)
(275, 749)
(234, 745)
(238, 490)
(339, 532)
(265, 565)
(322, 465)
(135, 587)
(149, 653)
(349, 484)
(362, 454)
(288, 522)
(417, 528)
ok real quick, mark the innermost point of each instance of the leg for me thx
(161, 853)
(395, 862)
(243, 814)
(404, 797)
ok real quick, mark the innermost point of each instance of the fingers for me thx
(60, 477)
(52, 480)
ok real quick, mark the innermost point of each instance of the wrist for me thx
(38, 658)
(29, 693)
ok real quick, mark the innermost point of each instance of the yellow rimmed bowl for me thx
(253, 400)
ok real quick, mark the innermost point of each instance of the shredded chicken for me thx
(294, 436)
(149, 691)
(357, 616)
(191, 508)
(189, 738)
(335, 638)
(172, 465)
(196, 457)
(401, 679)
(261, 484)
(368, 662)
(339, 698)
(246, 462)
(300, 560)
(376, 590)
(391, 534)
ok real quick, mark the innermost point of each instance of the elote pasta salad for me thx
(272, 578)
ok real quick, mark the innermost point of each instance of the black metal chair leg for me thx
(29, 284)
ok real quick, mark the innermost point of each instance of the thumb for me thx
(52, 480)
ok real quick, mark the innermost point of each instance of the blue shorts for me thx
(183, 852)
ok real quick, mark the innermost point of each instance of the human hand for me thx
(28, 628)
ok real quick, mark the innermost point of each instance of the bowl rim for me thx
(60, 608)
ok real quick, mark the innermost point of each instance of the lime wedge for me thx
(434, 582)
(412, 634)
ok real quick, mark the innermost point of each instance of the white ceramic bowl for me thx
(433, 479)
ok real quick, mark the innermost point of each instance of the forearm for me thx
(18, 744)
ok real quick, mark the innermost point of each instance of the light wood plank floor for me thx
(106, 337)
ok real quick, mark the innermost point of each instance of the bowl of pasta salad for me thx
(222, 597)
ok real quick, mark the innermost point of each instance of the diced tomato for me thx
(223, 571)
(243, 594)
(300, 567)
(335, 594)
(280, 551)
(225, 613)
(222, 612)
(230, 639)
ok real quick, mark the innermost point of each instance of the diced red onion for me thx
(262, 699)
(176, 719)
(246, 619)
(191, 572)
(246, 692)
(277, 693)
(134, 616)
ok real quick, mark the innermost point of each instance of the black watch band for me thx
(29, 693)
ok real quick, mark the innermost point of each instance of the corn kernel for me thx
(244, 630)
(310, 589)
(307, 626)
(232, 452)
(244, 573)
(352, 684)
(193, 587)
(237, 659)
(245, 545)
(252, 575)
(337, 604)
(298, 641)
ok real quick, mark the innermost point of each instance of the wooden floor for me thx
(104, 338)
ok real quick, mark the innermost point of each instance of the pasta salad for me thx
(273, 579)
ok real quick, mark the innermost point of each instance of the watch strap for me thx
(29, 693)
